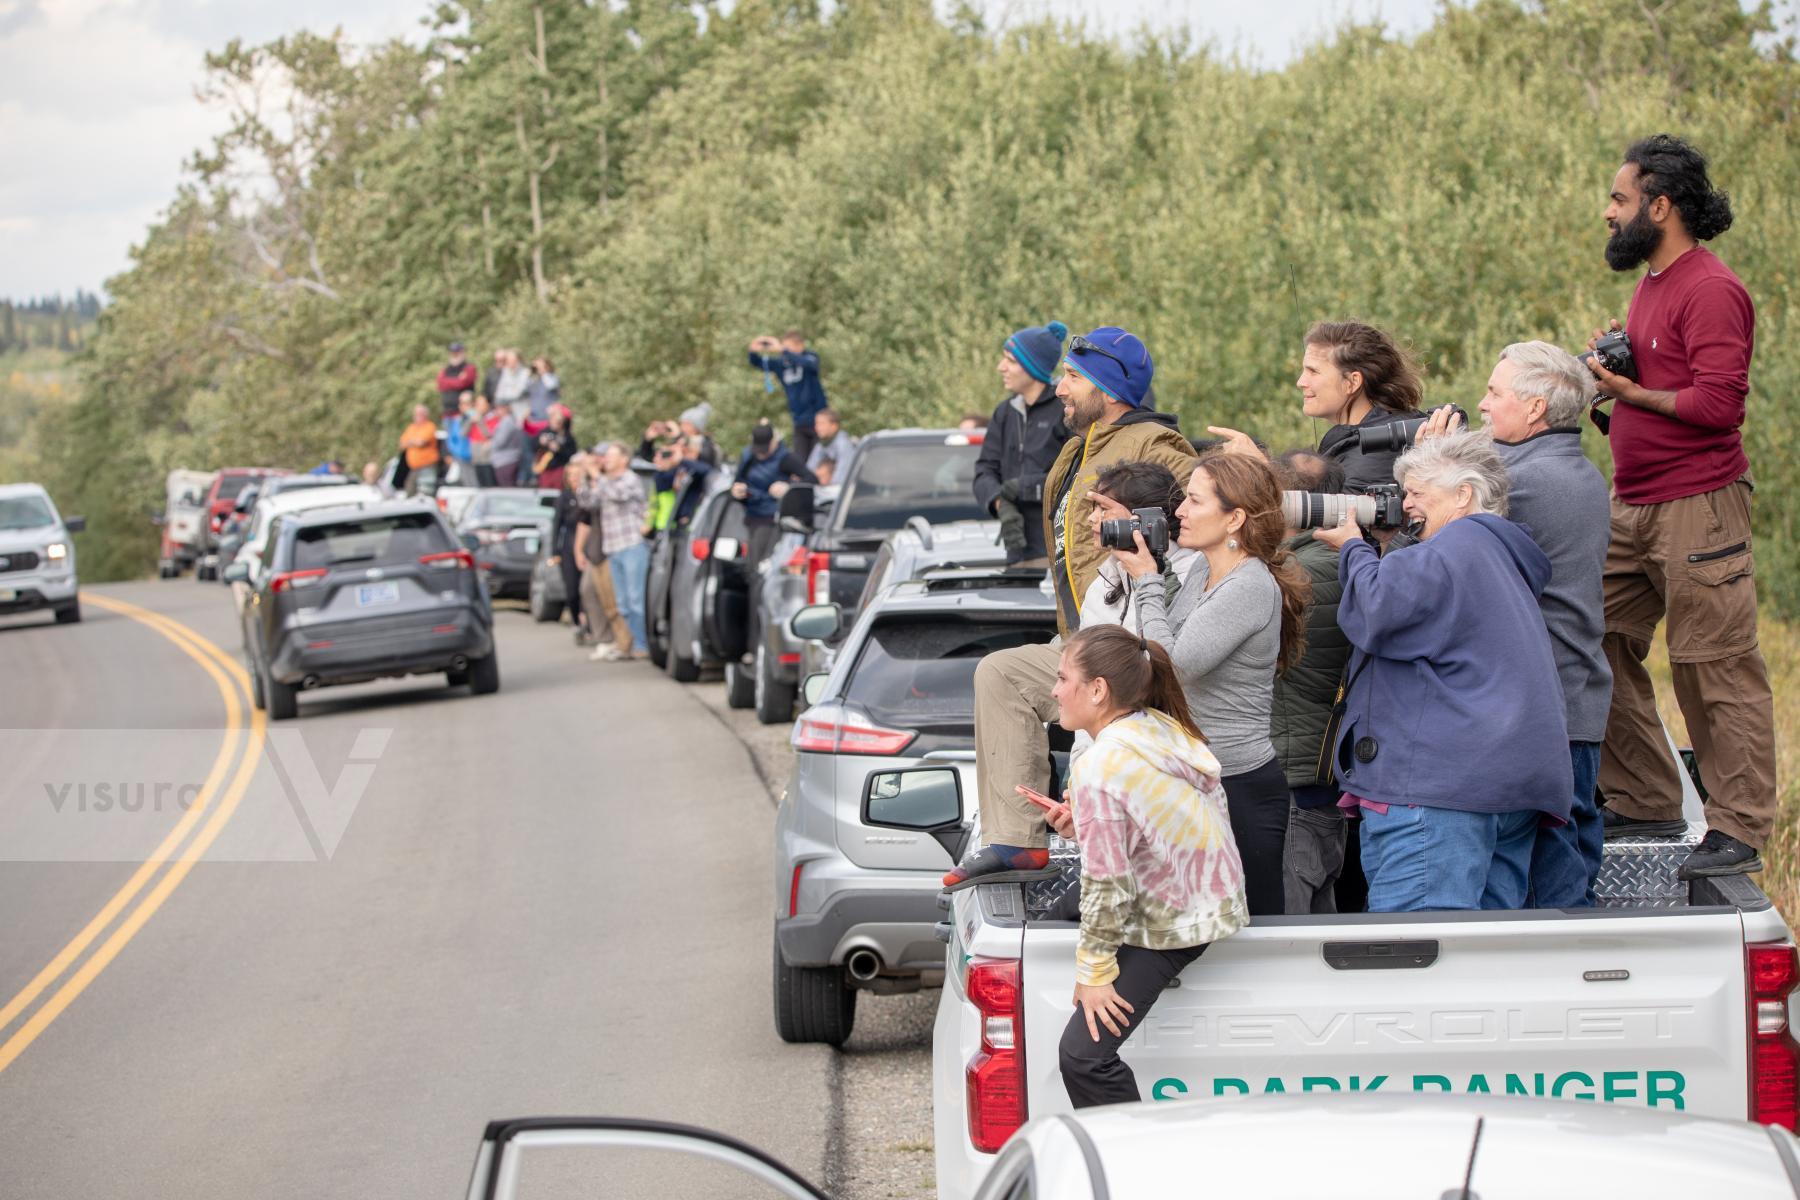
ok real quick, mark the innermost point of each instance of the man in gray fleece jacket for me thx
(1533, 406)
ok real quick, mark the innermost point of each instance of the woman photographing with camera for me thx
(1160, 874)
(1238, 618)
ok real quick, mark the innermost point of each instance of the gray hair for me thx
(1453, 460)
(1540, 369)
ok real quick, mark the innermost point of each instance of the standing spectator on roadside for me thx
(1681, 520)
(490, 379)
(555, 447)
(453, 379)
(599, 599)
(481, 441)
(798, 368)
(543, 389)
(1313, 856)
(834, 448)
(419, 445)
(508, 442)
(693, 423)
(1024, 436)
(460, 470)
(564, 529)
(622, 511)
(510, 388)
(763, 474)
(371, 474)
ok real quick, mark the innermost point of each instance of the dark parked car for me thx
(354, 595)
(703, 561)
(503, 528)
(672, 592)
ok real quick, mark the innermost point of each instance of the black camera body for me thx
(1382, 506)
(1153, 523)
(1612, 350)
(1398, 435)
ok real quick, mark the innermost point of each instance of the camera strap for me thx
(1325, 774)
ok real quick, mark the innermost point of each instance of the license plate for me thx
(371, 595)
(8, 595)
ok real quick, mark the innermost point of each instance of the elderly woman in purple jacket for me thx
(1453, 744)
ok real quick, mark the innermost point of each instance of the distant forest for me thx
(48, 322)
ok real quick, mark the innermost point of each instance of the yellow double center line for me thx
(170, 862)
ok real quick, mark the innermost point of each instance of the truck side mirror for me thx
(74, 524)
(816, 621)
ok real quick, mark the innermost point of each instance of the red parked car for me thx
(220, 497)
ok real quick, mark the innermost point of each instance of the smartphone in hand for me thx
(1038, 798)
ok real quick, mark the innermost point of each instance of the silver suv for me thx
(884, 772)
(37, 555)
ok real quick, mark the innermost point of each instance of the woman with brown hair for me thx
(1238, 618)
(1160, 875)
(1356, 376)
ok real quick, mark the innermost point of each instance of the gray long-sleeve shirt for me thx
(1224, 645)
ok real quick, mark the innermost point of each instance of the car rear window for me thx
(398, 537)
(231, 485)
(523, 504)
(922, 672)
(893, 482)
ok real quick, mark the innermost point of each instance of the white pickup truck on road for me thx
(1666, 996)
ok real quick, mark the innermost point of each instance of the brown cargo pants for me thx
(1691, 559)
(1012, 702)
(599, 584)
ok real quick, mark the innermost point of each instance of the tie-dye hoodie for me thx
(1159, 865)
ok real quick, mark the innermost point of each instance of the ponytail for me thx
(1139, 673)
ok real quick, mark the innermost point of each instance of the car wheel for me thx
(282, 700)
(484, 675)
(774, 699)
(681, 668)
(256, 688)
(69, 613)
(539, 607)
(812, 1004)
(166, 571)
(659, 644)
(740, 685)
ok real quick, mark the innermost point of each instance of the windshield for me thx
(914, 673)
(400, 537)
(893, 482)
(25, 512)
(518, 504)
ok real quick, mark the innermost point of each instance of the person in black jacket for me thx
(1023, 439)
(1356, 377)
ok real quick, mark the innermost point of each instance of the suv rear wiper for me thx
(336, 562)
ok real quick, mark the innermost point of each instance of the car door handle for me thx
(1380, 956)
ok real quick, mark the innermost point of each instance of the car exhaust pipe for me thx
(863, 965)
(309, 683)
(459, 664)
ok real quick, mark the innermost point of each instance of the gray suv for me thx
(354, 594)
(883, 785)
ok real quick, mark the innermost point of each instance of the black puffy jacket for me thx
(1304, 695)
(1022, 443)
(1362, 470)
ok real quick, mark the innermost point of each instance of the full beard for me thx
(1087, 412)
(1632, 244)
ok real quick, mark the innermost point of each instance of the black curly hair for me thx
(1668, 166)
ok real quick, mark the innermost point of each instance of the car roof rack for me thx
(952, 577)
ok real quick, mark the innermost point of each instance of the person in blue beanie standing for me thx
(1023, 438)
(798, 368)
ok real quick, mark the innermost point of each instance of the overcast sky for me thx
(97, 108)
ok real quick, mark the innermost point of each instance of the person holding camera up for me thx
(1106, 378)
(1024, 437)
(1160, 874)
(1452, 704)
(798, 368)
(1681, 518)
(1238, 618)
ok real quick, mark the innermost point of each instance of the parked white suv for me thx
(37, 554)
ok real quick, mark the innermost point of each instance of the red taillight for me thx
(818, 577)
(995, 1077)
(217, 524)
(700, 548)
(447, 559)
(1773, 973)
(788, 660)
(289, 580)
(796, 563)
(443, 504)
(794, 891)
(829, 729)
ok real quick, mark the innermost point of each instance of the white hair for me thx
(1540, 369)
(1453, 460)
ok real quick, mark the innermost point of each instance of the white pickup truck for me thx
(1665, 996)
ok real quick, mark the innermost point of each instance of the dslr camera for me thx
(1153, 523)
(1613, 351)
(1381, 508)
(1398, 435)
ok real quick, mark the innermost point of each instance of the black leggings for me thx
(1093, 1073)
(1258, 800)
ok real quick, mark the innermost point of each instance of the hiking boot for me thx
(1618, 825)
(1719, 854)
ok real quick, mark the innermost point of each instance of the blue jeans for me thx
(1565, 861)
(1422, 859)
(630, 571)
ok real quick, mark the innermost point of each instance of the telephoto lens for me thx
(1398, 435)
(1322, 510)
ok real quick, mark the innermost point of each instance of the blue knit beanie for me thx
(1039, 349)
(1126, 378)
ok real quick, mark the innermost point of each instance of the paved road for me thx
(549, 900)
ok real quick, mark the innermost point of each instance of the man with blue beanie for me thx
(1023, 438)
(1104, 388)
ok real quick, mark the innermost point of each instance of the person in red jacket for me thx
(1681, 520)
(455, 378)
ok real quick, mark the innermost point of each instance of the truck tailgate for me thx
(1643, 1008)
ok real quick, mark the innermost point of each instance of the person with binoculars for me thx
(1681, 543)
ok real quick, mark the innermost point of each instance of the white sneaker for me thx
(606, 653)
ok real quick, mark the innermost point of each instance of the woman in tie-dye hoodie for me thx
(1160, 874)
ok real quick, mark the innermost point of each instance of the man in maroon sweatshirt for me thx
(1681, 520)
(456, 377)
